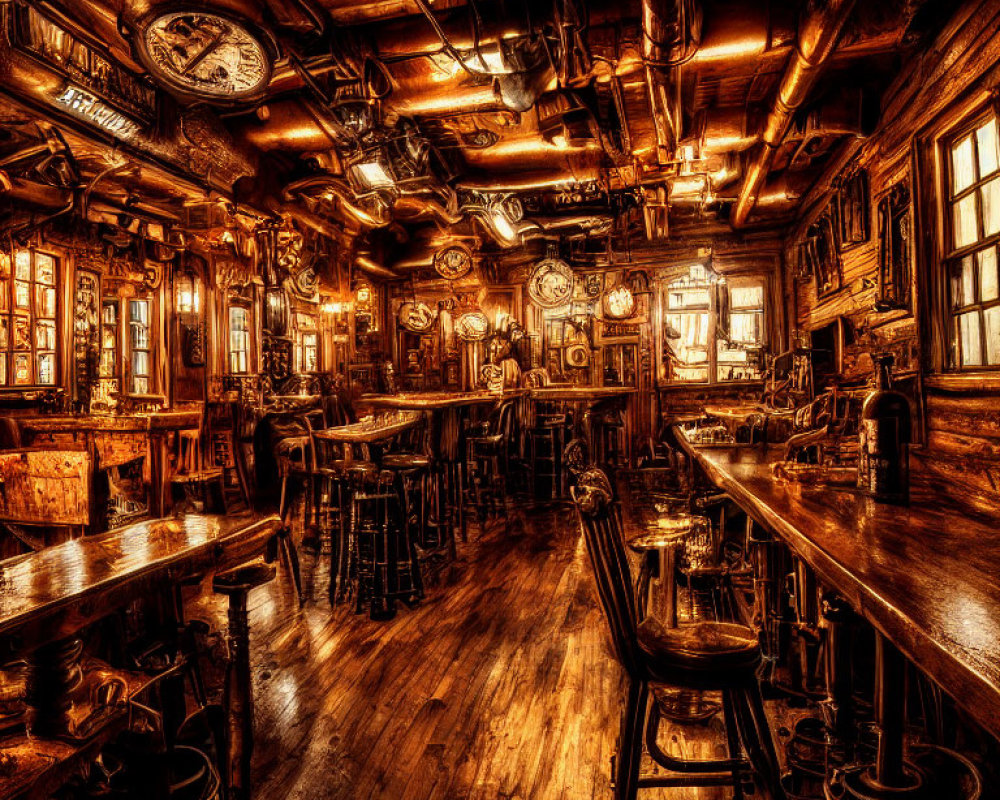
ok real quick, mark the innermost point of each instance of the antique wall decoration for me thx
(619, 302)
(472, 326)
(416, 317)
(206, 54)
(853, 210)
(894, 249)
(550, 284)
(453, 262)
(819, 256)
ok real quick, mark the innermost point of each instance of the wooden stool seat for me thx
(670, 531)
(705, 652)
(243, 578)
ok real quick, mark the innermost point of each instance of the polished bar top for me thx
(925, 577)
(82, 423)
(430, 401)
(58, 590)
(579, 393)
(365, 432)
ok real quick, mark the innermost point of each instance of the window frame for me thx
(11, 312)
(952, 256)
(248, 333)
(712, 365)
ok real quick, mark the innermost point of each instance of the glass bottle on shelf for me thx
(885, 435)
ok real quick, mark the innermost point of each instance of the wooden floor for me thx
(500, 685)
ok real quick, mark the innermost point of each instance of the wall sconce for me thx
(188, 293)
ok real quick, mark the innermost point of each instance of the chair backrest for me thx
(576, 458)
(601, 523)
(536, 378)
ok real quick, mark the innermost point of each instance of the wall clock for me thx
(453, 262)
(205, 54)
(551, 283)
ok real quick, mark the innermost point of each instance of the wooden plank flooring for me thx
(501, 685)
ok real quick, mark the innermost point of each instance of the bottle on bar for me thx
(883, 465)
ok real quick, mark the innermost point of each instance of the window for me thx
(973, 193)
(714, 328)
(27, 319)
(239, 340)
(306, 344)
(139, 344)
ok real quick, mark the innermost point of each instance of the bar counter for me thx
(926, 578)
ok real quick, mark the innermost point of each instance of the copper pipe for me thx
(343, 194)
(39, 194)
(818, 34)
(369, 265)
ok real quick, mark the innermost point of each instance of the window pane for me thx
(140, 363)
(45, 301)
(22, 368)
(991, 207)
(22, 295)
(989, 289)
(45, 335)
(22, 333)
(4, 337)
(962, 169)
(745, 328)
(45, 269)
(3, 370)
(963, 285)
(746, 297)
(22, 265)
(972, 351)
(966, 229)
(986, 141)
(991, 318)
(46, 368)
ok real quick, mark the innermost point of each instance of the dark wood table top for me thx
(362, 432)
(580, 393)
(926, 577)
(57, 591)
(432, 401)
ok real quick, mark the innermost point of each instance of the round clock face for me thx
(551, 283)
(206, 54)
(416, 317)
(453, 262)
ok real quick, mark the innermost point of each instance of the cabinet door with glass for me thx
(28, 341)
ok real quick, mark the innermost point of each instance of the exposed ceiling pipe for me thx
(372, 267)
(39, 194)
(818, 34)
(335, 189)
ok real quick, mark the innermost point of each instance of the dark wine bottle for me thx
(884, 464)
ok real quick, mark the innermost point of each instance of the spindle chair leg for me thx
(629, 755)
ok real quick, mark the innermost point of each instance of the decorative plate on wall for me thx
(577, 356)
(453, 262)
(551, 283)
(205, 53)
(416, 317)
(472, 326)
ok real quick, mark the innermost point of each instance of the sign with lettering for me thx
(97, 89)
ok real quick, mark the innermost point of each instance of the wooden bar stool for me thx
(719, 656)
(238, 694)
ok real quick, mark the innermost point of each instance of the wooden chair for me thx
(192, 476)
(710, 656)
